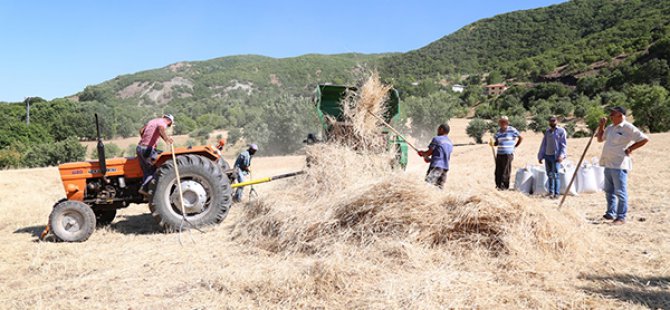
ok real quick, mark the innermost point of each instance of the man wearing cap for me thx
(553, 152)
(616, 158)
(146, 148)
(506, 139)
(242, 164)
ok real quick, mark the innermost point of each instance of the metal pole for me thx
(28, 111)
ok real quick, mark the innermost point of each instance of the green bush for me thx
(518, 122)
(111, 150)
(10, 157)
(581, 134)
(51, 154)
(234, 135)
(476, 129)
(593, 115)
(540, 122)
(651, 107)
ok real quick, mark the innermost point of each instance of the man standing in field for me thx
(617, 161)
(438, 153)
(506, 139)
(242, 165)
(146, 148)
(553, 152)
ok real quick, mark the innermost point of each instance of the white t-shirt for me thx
(617, 139)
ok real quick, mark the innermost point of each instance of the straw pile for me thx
(366, 227)
(349, 195)
(360, 128)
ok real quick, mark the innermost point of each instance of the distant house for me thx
(457, 88)
(495, 89)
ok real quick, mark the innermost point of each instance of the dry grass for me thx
(361, 128)
(378, 239)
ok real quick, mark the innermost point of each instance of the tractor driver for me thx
(146, 148)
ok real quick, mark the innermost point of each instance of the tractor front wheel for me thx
(72, 221)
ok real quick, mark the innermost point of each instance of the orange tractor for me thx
(96, 189)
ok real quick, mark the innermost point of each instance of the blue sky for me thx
(55, 48)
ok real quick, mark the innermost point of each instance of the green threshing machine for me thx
(328, 104)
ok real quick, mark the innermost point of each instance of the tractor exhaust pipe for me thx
(101, 149)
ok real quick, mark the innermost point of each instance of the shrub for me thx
(111, 150)
(518, 122)
(476, 129)
(10, 158)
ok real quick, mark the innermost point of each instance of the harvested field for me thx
(356, 240)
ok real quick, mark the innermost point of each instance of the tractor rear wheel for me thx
(72, 221)
(231, 174)
(104, 217)
(206, 190)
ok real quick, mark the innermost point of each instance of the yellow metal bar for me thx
(252, 182)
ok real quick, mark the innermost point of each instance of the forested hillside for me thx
(535, 42)
(570, 60)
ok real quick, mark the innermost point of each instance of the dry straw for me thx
(360, 129)
(353, 196)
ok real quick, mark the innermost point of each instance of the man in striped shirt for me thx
(506, 139)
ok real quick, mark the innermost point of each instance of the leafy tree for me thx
(476, 129)
(651, 107)
(518, 122)
(111, 150)
(426, 113)
(593, 115)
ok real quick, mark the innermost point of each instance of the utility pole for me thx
(28, 111)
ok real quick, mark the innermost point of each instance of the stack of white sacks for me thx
(532, 179)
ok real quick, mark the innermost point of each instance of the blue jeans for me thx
(616, 193)
(551, 165)
(239, 192)
(146, 155)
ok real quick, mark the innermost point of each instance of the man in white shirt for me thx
(617, 161)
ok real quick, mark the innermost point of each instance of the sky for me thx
(54, 49)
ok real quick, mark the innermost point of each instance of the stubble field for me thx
(408, 246)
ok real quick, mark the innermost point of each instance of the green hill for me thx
(532, 43)
(222, 77)
(570, 59)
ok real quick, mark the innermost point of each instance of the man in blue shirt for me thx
(506, 139)
(242, 165)
(553, 152)
(438, 153)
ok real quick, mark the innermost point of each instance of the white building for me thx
(457, 88)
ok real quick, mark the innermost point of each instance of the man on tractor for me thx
(242, 164)
(146, 148)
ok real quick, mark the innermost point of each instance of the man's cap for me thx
(619, 109)
(553, 118)
(170, 117)
(253, 147)
(504, 118)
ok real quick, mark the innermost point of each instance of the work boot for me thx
(619, 222)
(608, 217)
(143, 192)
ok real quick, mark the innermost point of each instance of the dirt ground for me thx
(130, 264)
